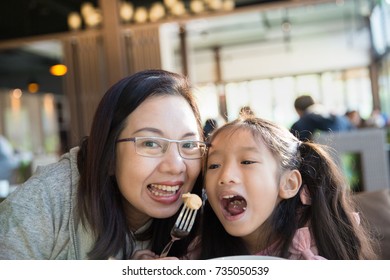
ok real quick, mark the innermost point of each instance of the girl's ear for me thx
(290, 184)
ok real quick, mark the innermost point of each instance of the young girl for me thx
(270, 194)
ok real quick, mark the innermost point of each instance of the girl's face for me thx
(153, 186)
(241, 183)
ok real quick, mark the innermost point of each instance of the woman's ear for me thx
(290, 184)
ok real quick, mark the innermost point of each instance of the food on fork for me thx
(192, 201)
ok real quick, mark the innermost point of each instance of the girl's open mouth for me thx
(234, 204)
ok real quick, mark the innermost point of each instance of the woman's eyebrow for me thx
(159, 132)
(149, 129)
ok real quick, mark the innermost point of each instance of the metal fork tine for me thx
(187, 221)
(186, 217)
(180, 217)
(192, 220)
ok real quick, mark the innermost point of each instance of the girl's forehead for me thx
(235, 132)
(237, 136)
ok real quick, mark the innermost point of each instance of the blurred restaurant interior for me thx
(261, 54)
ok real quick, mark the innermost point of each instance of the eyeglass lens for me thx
(155, 147)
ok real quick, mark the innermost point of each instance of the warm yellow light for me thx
(58, 70)
(74, 21)
(141, 14)
(16, 93)
(126, 11)
(33, 87)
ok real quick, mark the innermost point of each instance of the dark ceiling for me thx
(23, 18)
(28, 18)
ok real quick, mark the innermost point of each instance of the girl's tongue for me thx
(234, 205)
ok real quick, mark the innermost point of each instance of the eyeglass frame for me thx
(134, 139)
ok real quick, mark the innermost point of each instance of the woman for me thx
(120, 190)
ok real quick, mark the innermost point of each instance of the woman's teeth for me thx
(163, 190)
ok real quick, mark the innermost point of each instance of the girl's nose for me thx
(228, 181)
(228, 177)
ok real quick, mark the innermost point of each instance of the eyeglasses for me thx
(157, 146)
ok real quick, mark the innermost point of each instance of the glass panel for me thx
(284, 95)
(207, 98)
(237, 96)
(33, 110)
(261, 98)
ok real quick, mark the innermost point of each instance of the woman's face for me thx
(153, 186)
(241, 183)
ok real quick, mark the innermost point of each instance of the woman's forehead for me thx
(170, 114)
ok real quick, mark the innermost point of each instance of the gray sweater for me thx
(38, 220)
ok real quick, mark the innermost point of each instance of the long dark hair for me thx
(99, 200)
(330, 216)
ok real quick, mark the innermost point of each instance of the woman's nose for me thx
(172, 161)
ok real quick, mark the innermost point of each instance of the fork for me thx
(182, 227)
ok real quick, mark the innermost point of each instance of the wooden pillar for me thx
(85, 82)
(113, 45)
(142, 48)
(220, 84)
(374, 76)
(183, 49)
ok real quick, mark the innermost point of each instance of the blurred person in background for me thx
(209, 126)
(377, 119)
(313, 117)
(356, 120)
(9, 160)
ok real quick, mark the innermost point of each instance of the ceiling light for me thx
(228, 5)
(86, 9)
(141, 14)
(58, 70)
(197, 6)
(178, 9)
(126, 11)
(157, 12)
(33, 87)
(74, 21)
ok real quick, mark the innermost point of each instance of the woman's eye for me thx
(151, 144)
(213, 166)
(189, 145)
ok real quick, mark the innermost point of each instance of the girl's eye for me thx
(213, 166)
(247, 162)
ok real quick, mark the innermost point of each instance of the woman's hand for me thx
(149, 255)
